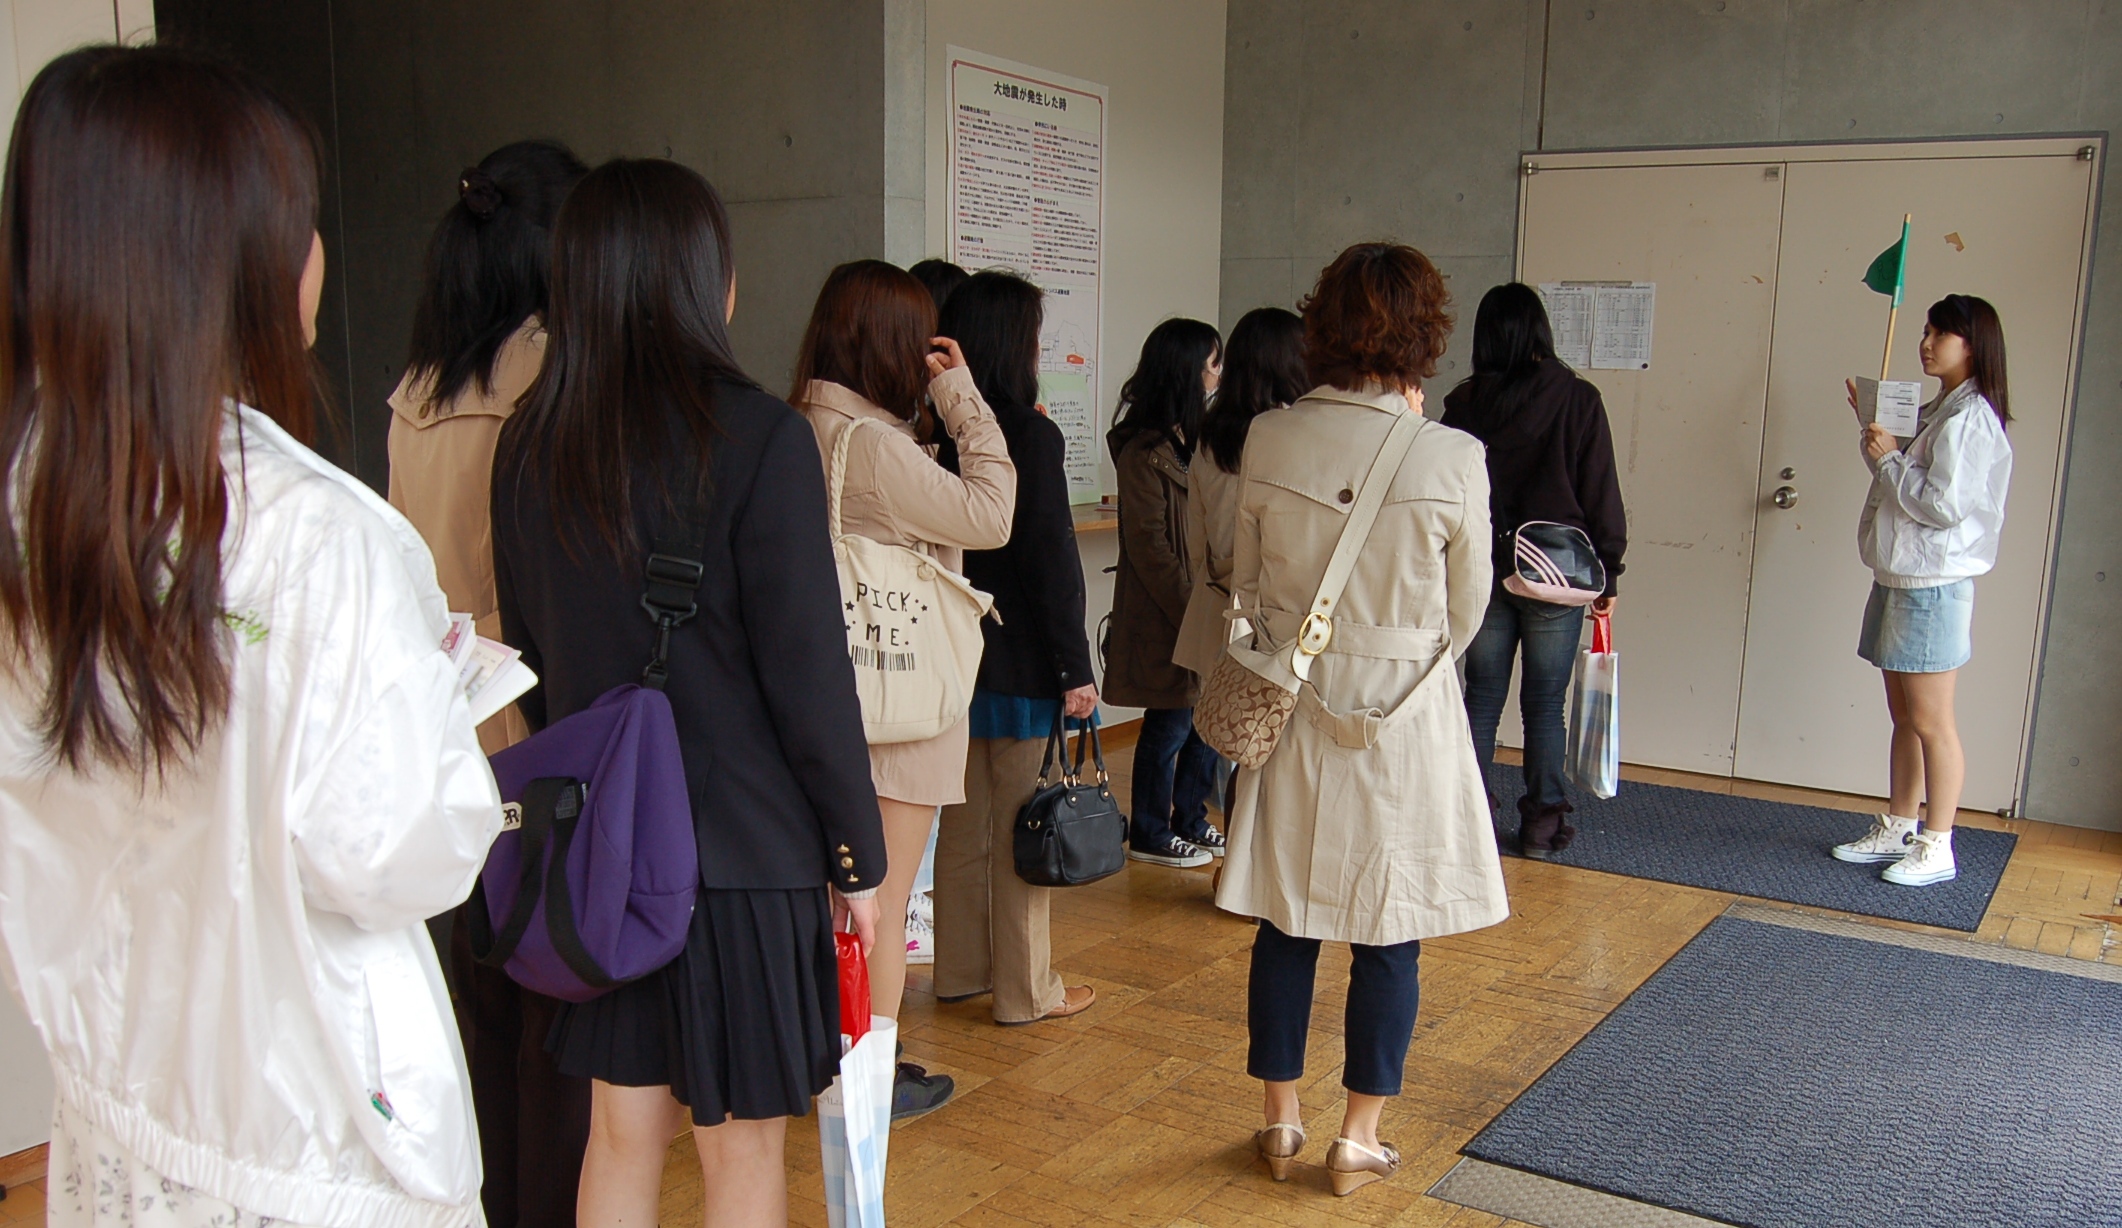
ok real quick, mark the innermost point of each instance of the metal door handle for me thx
(1786, 497)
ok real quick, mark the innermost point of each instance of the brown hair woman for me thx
(236, 771)
(1369, 824)
(870, 355)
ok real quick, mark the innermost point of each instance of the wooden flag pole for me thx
(1886, 356)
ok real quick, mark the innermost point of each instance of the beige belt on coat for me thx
(1360, 730)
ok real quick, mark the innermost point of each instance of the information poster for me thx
(1027, 193)
(1602, 325)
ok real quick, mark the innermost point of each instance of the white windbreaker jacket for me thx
(229, 968)
(1936, 509)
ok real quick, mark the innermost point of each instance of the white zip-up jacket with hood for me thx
(228, 968)
(1936, 508)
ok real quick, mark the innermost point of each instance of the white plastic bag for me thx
(854, 1128)
(1594, 751)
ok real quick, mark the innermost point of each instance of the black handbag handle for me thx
(1089, 734)
(1056, 748)
(540, 798)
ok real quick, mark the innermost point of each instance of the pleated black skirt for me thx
(744, 1023)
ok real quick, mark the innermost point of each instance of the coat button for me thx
(843, 848)
(1346, 495)
(847, 863)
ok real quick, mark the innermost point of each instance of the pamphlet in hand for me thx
(1894, 404)
(492, 674)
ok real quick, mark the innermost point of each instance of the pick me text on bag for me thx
(1593, 761)
(913, 625)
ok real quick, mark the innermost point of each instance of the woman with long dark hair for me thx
(643, 434)
(870, 356)
(1550, 458)
(238, 768)
(1263, 369)
(478, 340)
(1931, 524)
(991, 926)
(1152, 442)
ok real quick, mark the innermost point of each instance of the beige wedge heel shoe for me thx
(1354, 1166)
(1279, 1145)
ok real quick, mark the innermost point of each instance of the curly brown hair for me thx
(1379, 313)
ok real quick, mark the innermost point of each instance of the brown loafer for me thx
(1279, 1145)
(1075, 1000)
(1354, 1166)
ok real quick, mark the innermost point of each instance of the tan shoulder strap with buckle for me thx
(1317, 630)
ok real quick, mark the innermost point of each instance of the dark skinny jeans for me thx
(1549, 635)
(1383, 992)
(1175, 771)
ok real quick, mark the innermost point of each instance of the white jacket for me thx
(1936, 510)
(229, 969)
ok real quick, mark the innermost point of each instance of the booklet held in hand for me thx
(492, 674)
(1894, 404)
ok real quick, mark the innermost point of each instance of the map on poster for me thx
(1027, 193)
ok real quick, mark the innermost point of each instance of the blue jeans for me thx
(1174, 773)
(1549, 635)
(1383, 992)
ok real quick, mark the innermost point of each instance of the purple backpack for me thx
(591, 882)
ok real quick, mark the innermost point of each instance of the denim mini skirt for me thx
(1919, 630)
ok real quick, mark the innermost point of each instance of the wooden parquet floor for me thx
(1139, 1112)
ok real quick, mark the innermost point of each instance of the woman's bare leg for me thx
(743, 1172)
(1905, 772)
(1929, 702)
(905, 840)
(630, 1130)
(1359, 1124)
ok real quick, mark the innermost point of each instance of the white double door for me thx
(1739, 613)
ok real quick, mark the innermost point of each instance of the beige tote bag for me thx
(913, 625)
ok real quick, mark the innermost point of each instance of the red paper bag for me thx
(854, 986)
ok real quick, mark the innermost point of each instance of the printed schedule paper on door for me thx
(1602, 325)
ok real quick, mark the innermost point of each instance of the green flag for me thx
(1887, 274)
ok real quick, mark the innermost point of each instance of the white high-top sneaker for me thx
(1886, 841)
(1929, 860)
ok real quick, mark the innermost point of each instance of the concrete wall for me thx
(1352, 119)
(1162, 65)
(783, 106)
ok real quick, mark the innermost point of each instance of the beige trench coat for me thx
(1370, 822)
(1211, 530)
(896, 493)
(442, 469)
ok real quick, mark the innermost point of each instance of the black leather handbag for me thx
(1071, 832)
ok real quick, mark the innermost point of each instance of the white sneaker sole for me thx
(1845, 853)
(1892, 875)
(1176, 863)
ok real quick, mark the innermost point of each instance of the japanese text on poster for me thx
(1602, 325)
(1027, 193)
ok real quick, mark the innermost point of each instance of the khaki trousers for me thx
(991, 926)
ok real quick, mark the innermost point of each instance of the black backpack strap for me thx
(559, 905)
(540, 798)
(675, 569)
